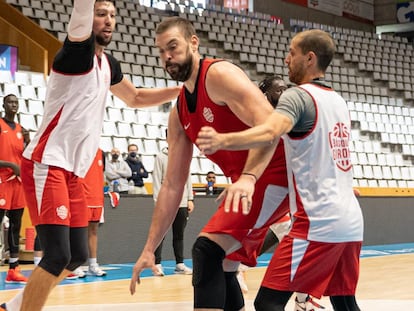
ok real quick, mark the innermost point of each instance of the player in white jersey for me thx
(65, 145)
(320, 254)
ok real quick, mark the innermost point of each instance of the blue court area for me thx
(123, 271)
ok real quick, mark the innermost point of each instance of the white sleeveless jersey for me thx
(322, 201)
(73, 115)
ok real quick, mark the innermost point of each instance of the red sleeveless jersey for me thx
(11, 147)
(223, 120)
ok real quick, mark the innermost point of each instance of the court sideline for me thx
(385, 284)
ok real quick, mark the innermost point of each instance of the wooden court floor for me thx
(386, 283)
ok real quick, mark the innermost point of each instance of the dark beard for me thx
(101, 41)
(184, 70)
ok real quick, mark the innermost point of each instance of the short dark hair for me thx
(319, 42)
(5, 98)
(185, 26)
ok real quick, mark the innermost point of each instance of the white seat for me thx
(367, 171)
(28, 121)
(396, 172)
(6, 76)
(195, 166)
(151, 146)
(118, 103)
(159, 118)
(139, 130)
(41, 92)
(105, 143)
(362, 158)
(22, 78)
(206, 165)
(377, 172)
(153, 131)
(121, 143)
(372, 159)
(386, 172)
(382, 183)
(128, 115)
(114, 114)
(109, 128)
(35, 107)
(357, 171)
(124, 129)
(11, 88)
(221, 179)
(372, 183)
(143, 116)
(390, 158)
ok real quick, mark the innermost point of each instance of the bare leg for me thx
(38, 288)
(93, 239)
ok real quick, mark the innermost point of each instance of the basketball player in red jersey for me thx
(93, 186)
(219, 94)
(13, 139)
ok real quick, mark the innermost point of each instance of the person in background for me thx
(180, 221)
(325, 239)
(93, 185)
(138, 170)
(65, 144)
(117, 172)
(211, 189)
(13, 139)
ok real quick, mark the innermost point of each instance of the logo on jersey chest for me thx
(339, 143)
(208, 115)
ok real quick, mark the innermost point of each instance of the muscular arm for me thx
(264, 134)
(143, 97)
(168, 201)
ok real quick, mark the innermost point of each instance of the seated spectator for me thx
(211, 187)
(138, 170)
(117, 172)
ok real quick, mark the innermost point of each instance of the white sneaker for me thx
(181, 268)
(95, 270)
(158, 270)
(308, 305)
(79, 272)
(242, 282)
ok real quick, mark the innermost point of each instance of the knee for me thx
(55, 260)
(207, 260)
(78, 258)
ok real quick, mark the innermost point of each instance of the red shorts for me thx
(94, 214)
(12, 195)
(316, 268)
(54, 196)
(270, 203)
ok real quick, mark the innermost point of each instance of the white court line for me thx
(366, 305)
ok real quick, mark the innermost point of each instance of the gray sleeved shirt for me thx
(297, 104)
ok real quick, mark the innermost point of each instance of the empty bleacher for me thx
(374, 74)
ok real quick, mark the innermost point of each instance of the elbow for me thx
(271, 134)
